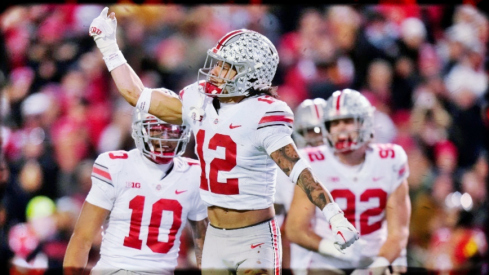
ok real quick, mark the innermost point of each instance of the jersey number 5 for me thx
(137, 206)
(230, 187)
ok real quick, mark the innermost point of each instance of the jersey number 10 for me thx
(137, 206)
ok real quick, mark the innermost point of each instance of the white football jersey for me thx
(148, 209)
(234, 146)
(362, 194)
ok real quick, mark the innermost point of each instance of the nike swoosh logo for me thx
(180, 192)
(231, 126)
(256, 245)
(341, 234)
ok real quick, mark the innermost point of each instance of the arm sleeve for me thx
(401, 167)
(274, 129)
(103, 192)
(199, 209)
(274, 138)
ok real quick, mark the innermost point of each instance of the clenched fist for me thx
(344, 232)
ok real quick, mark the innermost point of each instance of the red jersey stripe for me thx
(278, 118)
(101, 173)
(277, 259)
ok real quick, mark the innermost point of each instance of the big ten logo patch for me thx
(131, 184)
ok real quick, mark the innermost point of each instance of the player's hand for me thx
(380, 266)
(103, 31)
(344, 232)
(327, 248)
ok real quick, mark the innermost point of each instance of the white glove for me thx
(344, 232)
(327, 248)
(103, 30)
(378, 267)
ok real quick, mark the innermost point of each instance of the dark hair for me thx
(270, 91)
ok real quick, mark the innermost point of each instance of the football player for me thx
(369, 182)
(142, 199)
(242, 132)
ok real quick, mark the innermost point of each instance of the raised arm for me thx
(288, 159)
(198, 231)
(162, 105)
(87, 227)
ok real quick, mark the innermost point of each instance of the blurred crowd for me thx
(425, 68)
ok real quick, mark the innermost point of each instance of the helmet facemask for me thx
(308, 124)
(157, 140)
(349, 104)
(226, 82)
(251, 55)
(349, 140)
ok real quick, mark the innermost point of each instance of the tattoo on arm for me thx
(198, 231)
(316, 193)
(286, 157)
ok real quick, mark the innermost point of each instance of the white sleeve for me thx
(103, 192)
(274, 129)
(274, 138)
(401, 167)
(199, 209)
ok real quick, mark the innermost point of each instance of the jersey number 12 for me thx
(230, 187)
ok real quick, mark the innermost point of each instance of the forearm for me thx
(316, 193)
(76, 256)
(393, 246)
(288, 159)
(398, 213)
(307, 239)
(198, 231)
(128, 83)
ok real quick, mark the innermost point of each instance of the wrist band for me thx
(144, 100)
(114, 60)
(299, 166)
(330, 210)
